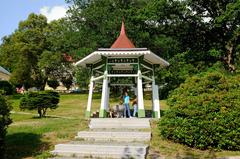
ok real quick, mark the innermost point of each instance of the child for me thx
(135, 108)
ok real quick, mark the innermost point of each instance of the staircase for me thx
(109, 138)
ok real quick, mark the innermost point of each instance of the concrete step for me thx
(119, 123)
(101, 150)
(120, 136)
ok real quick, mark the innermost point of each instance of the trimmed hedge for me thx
(205, 112)
(40, 101)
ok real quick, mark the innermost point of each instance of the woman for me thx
(126, 104)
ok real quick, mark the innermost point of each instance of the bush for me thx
(67, 82)
(6, 87)
(204, 112)
(40, 101)
(4, 122)
(53, 83)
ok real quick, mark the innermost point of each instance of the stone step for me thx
(100, 150)
(120, 136)
(119, 123)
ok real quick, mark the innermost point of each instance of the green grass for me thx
(31, 137)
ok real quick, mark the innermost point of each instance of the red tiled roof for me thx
(123, 41)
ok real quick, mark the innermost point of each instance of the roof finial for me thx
(122, 29)
(122, 41)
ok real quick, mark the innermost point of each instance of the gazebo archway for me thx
(123, 60)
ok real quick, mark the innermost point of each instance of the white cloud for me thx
(54, 13)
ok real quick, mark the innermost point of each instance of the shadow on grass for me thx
(189, 154)
(46, 117)
(20, 145)
(148, 113)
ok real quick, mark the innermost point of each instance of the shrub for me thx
(4, 122)
(40, 101)
(67, 82)
(53, 83)
(204, 112)
(6, 87)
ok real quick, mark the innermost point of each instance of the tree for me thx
(171, 78)
(35, 51)
(23, 48)
(53, 83)
(40, 101)
(82, 77)
(222, 19)
(101, 20)
(5, 120)
(67, 82)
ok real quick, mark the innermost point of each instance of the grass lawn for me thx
(31, 137)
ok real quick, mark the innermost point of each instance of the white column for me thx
(89, 104)
(141, 111)
(104, 99)
(155, 100)
(107, 98)
(135, 91)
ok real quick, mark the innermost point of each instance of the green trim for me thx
(87, 114)
(140, 59)
(104, 60)
(122, 60)
(146, 64)
(155, 114)
(102, 113)
(141, 113)
(122, 71)
(97, 64)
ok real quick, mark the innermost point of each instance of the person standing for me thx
(135, 108)
(126, 104)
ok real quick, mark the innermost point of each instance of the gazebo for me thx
(123, 60)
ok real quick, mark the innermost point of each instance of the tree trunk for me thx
(40, 112)
(229, 57)
(44, 84)
(44, 112)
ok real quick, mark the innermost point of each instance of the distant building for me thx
(4, 74)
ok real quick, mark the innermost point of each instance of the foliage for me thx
(171, 77)
(67, 82)
(169, 28)
(53, 83)
(5, 120)
(82, 77)
(222, 20)
(208, 31)
(6, 87)
(204, 111)
(33, 52)
(40, 101)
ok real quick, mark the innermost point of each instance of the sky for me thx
(14, 11)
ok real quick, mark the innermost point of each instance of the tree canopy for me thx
(199, 32)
